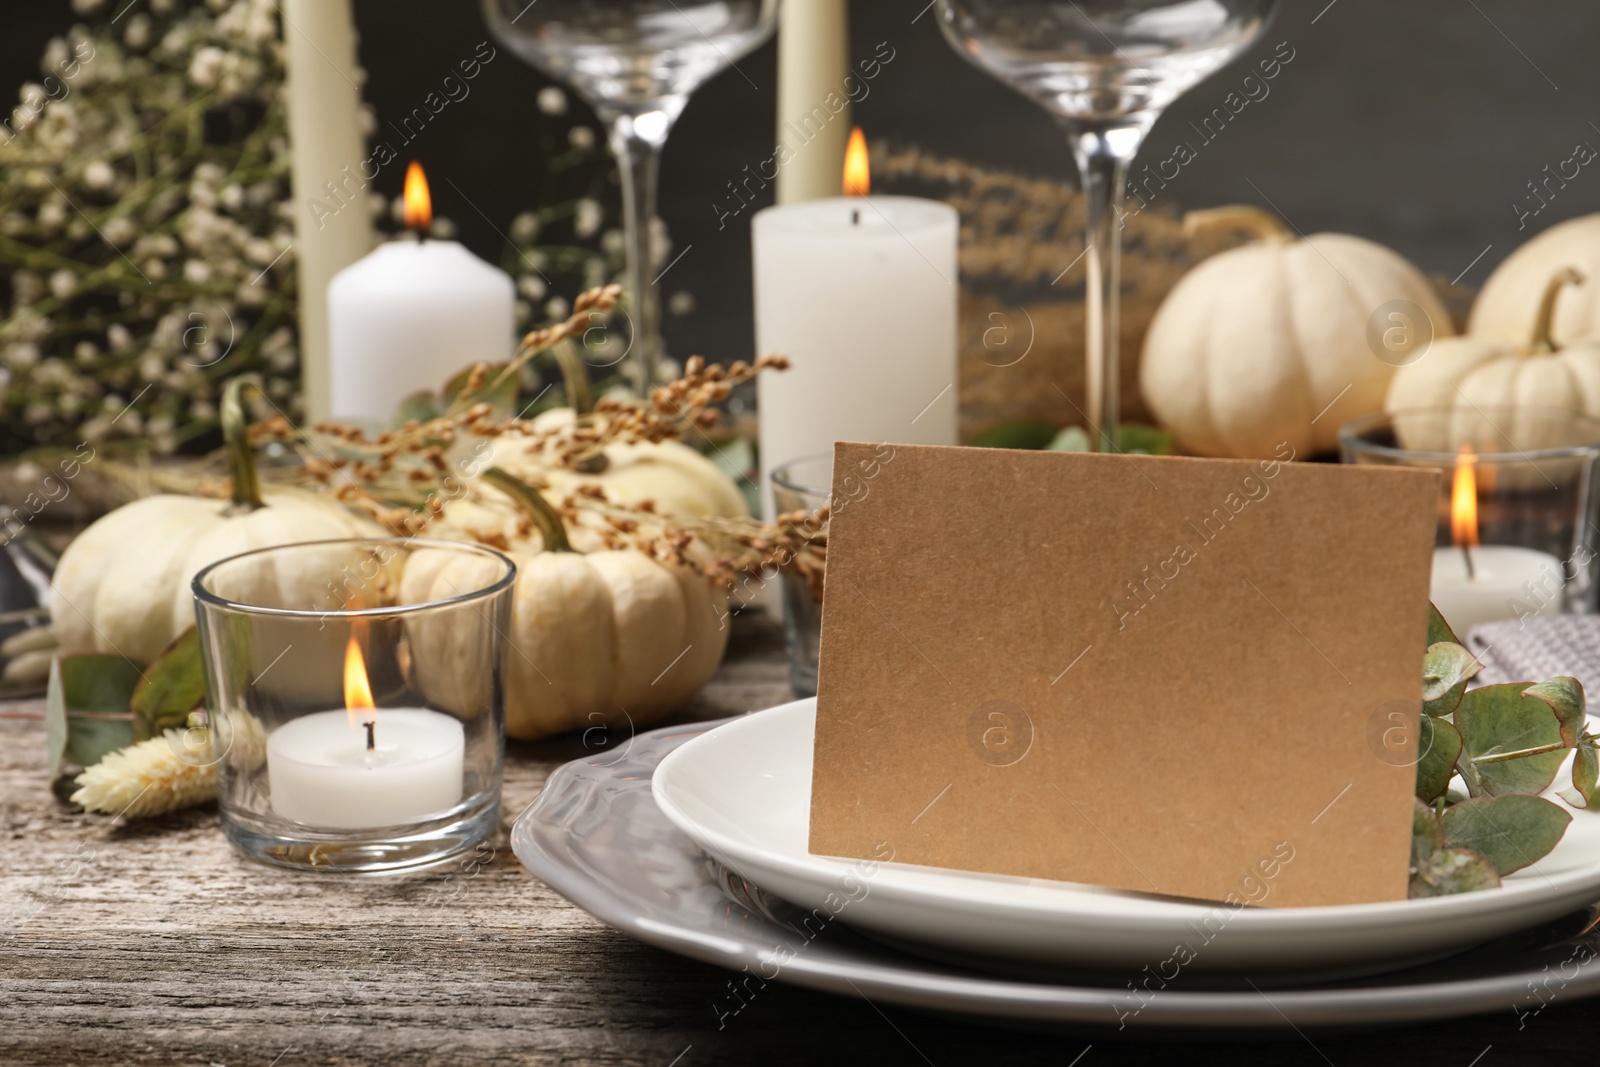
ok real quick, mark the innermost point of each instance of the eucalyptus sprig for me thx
(1506, 744)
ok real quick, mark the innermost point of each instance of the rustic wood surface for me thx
(154, 943)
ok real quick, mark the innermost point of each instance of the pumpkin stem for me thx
(236, 442)
(581, 399)
(1541, 340)
(1261, 225)
(551, 528)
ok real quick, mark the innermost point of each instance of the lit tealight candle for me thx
(355, 769)
(1473, 584)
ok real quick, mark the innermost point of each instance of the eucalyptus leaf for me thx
(422, 406)
(1427, 834)
(1510, 831)
(1072, 439)
(1453, 870)
(1438, 629)
(1016, 433)
(1585, 772)
(1138, 438)
(1564, 695)
(1440, 746)
(1496, 721)
(172, 686)
(96, 691)
(1446, 667)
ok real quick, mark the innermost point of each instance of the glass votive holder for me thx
(1516, 531)
(354, 699)
(803, 485)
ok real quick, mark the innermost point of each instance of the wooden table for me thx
(155, 943)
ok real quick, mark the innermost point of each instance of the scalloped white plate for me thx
(742, 792)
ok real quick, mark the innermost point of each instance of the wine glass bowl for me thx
(635, 62)
(1105, 69)
(1102, 61)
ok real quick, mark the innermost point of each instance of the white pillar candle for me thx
(1507, 582)
(860, 293)
(813, 36)
(321, 773)
(324, 108)
(407, 317)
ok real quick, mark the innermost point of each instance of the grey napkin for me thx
(1533, 649)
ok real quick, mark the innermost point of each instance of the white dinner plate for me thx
(742, 792)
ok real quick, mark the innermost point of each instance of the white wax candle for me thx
(407, 317)
(324, 103)
(812, 40)
(1507, 582)
(861, 294)
(320, 772)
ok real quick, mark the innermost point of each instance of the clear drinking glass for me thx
(636, 62)
(1105, 69)
(355, 701)
(1516, 531)
(802, 485)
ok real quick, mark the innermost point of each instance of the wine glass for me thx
(1105, 69)
(635, 62)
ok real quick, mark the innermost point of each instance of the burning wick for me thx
(857, 175)
(1464, 507)
(418, 203)
(372, 744)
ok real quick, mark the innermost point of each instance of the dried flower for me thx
(163, 774)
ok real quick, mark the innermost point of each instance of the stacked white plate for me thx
(742, 792)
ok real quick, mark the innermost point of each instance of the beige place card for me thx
(1158, 674)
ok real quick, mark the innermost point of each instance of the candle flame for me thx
(419, 204)
(1464, 499)
(357, 690)
(857, 173)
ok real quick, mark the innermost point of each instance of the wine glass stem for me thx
(1103, 154)
(639, 161)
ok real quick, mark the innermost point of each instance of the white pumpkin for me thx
(122, 586)
(1267, 344)
(1471, 374)
(1503, 307)
(610, 638)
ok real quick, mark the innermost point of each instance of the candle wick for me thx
(420, 236)
(1466, 554)
(371, 741)
(855, 216)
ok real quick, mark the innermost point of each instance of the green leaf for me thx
(422, 406)
(1453, 870)
(1016, 433)
(1147, 440)
(172, 686)
(1440, 746)
(1510, 831)
(1445, 670)
(1564, 695)
(1497, 720)
(1438, 629)
(1072, 439)
(1585, 772)
(1427, 835)
(97, 690)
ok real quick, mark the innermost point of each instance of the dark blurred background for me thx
(1416, 124)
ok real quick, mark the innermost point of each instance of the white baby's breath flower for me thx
(99, 175)
(552, 101)
(680, 303)
(206, 68)
(63, 283)
(87, 353)
(587, 217)
(197, 271)
(557, 308)
(525, 228)
(21, 356)
(581, 137)
(137, 35)
(532, 286)
(612, 241)
(120, 230)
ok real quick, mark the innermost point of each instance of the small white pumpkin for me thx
(1475, 373)
(1502, 308)
(609, 638)
(122, 586)
(1268, 343)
